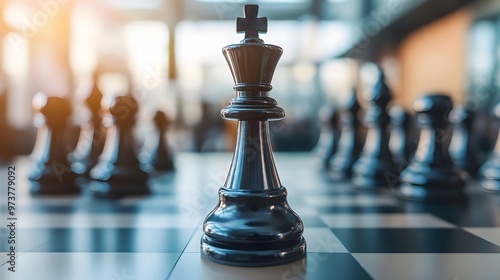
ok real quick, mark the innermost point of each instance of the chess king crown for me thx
(252, 65)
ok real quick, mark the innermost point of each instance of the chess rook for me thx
(92, 136)
(431, 174)
(252, 225)
(118, 173)
(376, 166)
(350, 141)
(51, 173)
(490, 171)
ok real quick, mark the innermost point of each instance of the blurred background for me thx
(167, 53)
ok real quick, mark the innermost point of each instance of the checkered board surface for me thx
(350, 235)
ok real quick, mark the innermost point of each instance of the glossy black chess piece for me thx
(117, 173)
(490, 171)
(51, 173)
(331, 149)
(431, 174)
(350, 141)
(156, 154)
(252, 225)
(403, 142)
(376, 167)
(463, 149)
(92, 136)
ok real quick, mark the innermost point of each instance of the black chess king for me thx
(252, 225)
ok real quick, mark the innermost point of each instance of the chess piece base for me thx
(256, 255)
(100, 189)
(490, 174)
(341, 168)
(253, 228)
(432, 183)
(491, 185)
(52, 180)
(37, 188)
(419, 193)
(370, 174)
(110, 181)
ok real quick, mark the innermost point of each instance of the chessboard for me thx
(350, 234)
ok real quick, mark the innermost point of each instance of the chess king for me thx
(252, 225)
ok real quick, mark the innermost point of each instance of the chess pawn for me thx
(252, 225)
(402, 142)
(462, 147)
(51, 172)
(490, 171)
(156, 154)
(118, 173)
(350, 141)
(92, 136)
(431, 174)
(376, 166)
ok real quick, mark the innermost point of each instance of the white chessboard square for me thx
(429, 266)
(96, 266)
(375, 220)
(194, 244)
(489, 234)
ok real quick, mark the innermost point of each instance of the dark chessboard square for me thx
(315, 266)
(477, 211)
(414, 240)
(112, 240)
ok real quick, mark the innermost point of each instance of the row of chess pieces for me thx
(105, 160)
(389, 156)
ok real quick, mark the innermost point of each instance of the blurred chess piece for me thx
(350, 141)
(117, 173)
(490, 171)
(51, 172)
(333, 143)
(92, 136)
(376, 167)
(156, 154)
(463, 149)
(432, 175)
(403, 142)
